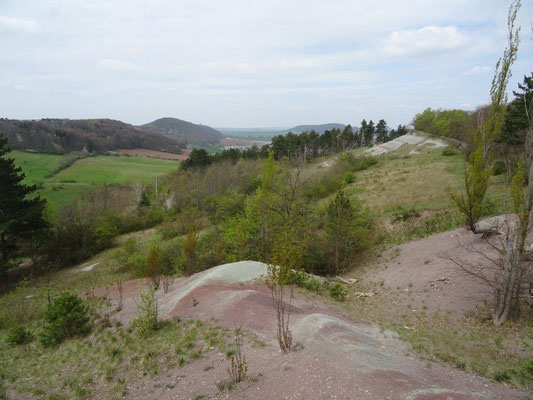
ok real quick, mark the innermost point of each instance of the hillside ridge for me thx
(59, 136)
(187, 133)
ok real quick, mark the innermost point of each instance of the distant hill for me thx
(186, 132)
(317, 128)
(58, 136)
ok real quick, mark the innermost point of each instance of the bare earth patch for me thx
(337, 357)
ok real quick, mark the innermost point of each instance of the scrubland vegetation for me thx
(315, 208)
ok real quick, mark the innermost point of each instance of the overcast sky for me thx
(247, 63)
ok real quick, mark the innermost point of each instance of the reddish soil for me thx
(155, 154)
(337, 358)
(423, 270)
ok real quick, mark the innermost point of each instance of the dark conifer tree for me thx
(369, 133)
(381, 132)
(21, 212)
(362, 133)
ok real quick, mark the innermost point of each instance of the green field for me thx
(62, 187)
(36, 166)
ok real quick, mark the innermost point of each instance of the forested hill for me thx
(186, 132)
(317, 128)
(60, 136)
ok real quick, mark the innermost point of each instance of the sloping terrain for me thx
(415, 139)
(426, 271)
(337, 357)
(186, 132)
(59, 136)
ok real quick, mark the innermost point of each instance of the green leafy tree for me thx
(425, 121)
(478, 170)
(21, 214)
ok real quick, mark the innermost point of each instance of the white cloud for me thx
(278, 63)
(478, 69)
(429, 39)
(17, 24)
(117, 65)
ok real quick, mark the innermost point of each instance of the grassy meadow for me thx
(62, 187)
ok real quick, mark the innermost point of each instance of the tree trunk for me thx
(507, 289)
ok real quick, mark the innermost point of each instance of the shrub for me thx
(499, 168)
(238, 367)
(349, 177)
(147, 320)
(362, 163)
(19, 335)
(402, 214)
(302, 279)
(66, 316)
(338, 292)
(449, 151)
(171, 252)
(152, 269)
(103, 237)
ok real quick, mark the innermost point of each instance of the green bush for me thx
(103, 237)
(449, 151)
(147, 320)
(499, 168)
(338, 292)
(349, 177)
(302, 279)
(171, 253)
(402, 214)
(66, 316)
(363, 163)
(19, 335)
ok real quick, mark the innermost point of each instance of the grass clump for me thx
(66, 316)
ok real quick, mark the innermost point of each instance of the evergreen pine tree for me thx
(381, 132)
(21, 214)
(362, 132)
(369, 133)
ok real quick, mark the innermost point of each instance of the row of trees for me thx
(304, 146)
(307, 145)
